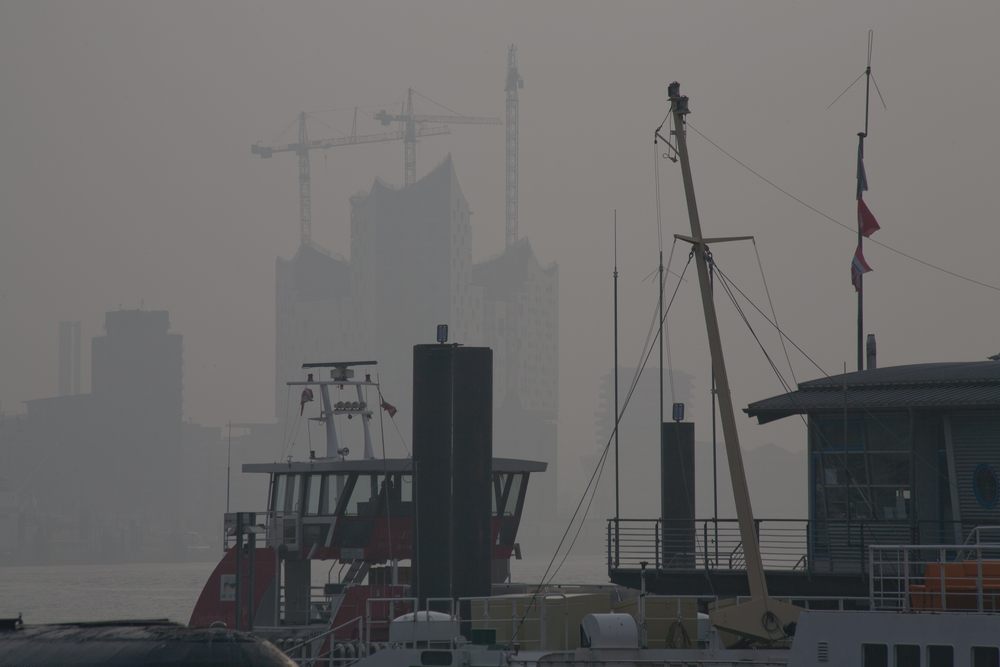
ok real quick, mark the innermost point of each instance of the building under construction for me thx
(411, 269)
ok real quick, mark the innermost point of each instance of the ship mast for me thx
(762, 618)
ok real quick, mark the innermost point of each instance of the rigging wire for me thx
(866, 411)
(595, 476)
(732, 297)
(853, 230)
(592, 484)
(439, 104)
(773, 313)
(287, 128)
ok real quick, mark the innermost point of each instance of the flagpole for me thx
(861, 154)
(861, 277)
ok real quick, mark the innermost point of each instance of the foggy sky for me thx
(126, 176)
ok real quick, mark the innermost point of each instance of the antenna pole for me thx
(660, 429)
(229, 458)
(861, 155)
(617, 505)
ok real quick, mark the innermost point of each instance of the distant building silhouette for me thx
(107, 463)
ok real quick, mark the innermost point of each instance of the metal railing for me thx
(913, 577)
(278, 528)
(785, 544)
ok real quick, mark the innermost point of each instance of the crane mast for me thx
(410, 143)
(514, 82)
(305, 185)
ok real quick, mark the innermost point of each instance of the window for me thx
(985, 485)
(940, 656)
(907, 655)
(874, 655)
(285, 493)
(985, 656)
(313, 494)
(333, 488)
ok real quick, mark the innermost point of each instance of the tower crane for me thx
(514, 82)
(410, 120)
(302, 149)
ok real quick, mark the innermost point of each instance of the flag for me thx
(307, 396)
(866, 221)
(862, 179)
(391, 409)
(859, 267)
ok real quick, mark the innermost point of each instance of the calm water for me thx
(60, 593)
(56, 594)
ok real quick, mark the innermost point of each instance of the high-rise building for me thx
(116, 450)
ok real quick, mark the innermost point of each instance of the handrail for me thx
(356, 619)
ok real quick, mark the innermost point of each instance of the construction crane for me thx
(302, 149)
(514, 82)
(410, 120)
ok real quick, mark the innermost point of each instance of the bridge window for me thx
(874, 655)
(940, 656)
(907, 655)
(985, 656)
(333, 489)
(285, 493)
(315, 486)
(507, 493)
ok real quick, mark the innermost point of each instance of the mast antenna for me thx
(762, 618)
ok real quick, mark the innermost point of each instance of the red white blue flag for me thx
(859, 267)
(866, 221)
(307, 397)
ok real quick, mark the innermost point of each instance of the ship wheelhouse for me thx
(363, 510)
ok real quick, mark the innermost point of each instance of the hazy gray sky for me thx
(126, 176)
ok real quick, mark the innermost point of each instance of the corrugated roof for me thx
(973, 384)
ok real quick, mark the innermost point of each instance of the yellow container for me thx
(551, 622)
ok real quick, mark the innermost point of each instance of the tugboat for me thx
(358, 513)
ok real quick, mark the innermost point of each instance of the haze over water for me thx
(126, 180)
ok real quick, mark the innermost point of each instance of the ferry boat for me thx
(357, 514)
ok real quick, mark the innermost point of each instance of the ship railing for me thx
(338, 653)
(838, 546)
(704, 544)
(275, 528)
(311, 609)
(935, 578)
(381, 612)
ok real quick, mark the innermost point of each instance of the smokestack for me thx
(76, 357)
(453, 457)
(677, 492)
(65, 356)
(870, 349)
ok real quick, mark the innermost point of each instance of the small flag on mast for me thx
(307, 397)
(859, 267)
(391, 409)
(866, 221)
